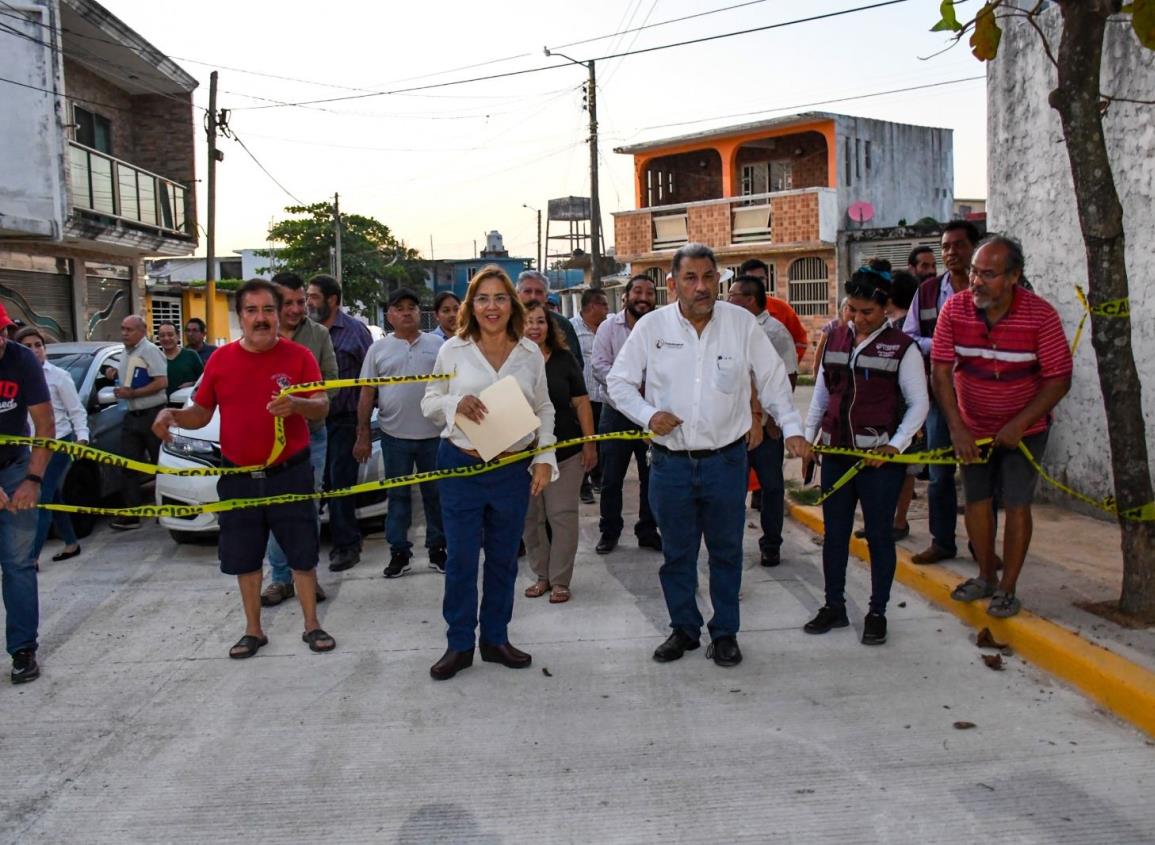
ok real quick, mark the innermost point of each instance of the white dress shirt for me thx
(472, 373)
(911, 381)
(71, 418)
(781, 339)
(703, 380)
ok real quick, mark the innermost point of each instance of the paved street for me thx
(142, 730)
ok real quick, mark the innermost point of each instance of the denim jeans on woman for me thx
(50, 492)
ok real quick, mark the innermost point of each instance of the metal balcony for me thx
(113, 188)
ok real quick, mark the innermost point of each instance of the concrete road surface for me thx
(142, 730)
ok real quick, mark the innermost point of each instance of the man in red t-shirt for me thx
(1000, 366)
(244, 379)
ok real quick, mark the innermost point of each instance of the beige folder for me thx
(509, 419)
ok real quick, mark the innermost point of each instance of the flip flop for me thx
(249, 646)
(66, 554)
(318, 640)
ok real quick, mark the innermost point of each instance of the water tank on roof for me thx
(493, 242)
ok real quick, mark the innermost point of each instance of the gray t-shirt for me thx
(399, 405)
(140, 365)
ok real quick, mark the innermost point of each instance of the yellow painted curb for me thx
(1122, 687)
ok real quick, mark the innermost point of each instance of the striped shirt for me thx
(999, 369)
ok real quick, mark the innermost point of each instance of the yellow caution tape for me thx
(1143, 513)
(1111, 308)
(152, 511)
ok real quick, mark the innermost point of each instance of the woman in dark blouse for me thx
(552, 559)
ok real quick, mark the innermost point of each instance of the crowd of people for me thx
(914, 358)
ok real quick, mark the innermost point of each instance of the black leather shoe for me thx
(874, 629)
(677, 644)
(827, 618)
(725, 652)
(342, 559)
(450, 664)
(24, 666)
(506, 655)
(650, 541)
(606, 544)
(771, 558)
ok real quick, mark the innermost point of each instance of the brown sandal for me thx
(536, 589)
(559, 595)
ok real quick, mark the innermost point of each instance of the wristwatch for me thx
(34, 477)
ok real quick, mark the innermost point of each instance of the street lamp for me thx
(595, 204)
(540, 263)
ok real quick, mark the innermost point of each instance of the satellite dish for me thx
(861, 211)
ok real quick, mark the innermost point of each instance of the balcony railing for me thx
(114, 188)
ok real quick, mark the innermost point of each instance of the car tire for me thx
(190, 536)
(82, 488)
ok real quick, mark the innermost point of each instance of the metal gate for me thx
(40, 299)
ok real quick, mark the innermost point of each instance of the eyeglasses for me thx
(985, 275)
(484, 299)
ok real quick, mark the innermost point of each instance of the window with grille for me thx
(166, 309)
(808, 286)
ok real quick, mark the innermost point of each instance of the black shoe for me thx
(342, 559)
(771, 557)
(587, 493)
(24, 666)
(650, 541)
(398, 565)
(756, 501)
(506, 655)
(725, 652)
(874, 629)
(606, 544)
(125, 523)
(901, 533)
(827, 618)
(437, 558)
(860, 533)
(450, 664)
(521, 548)
(677, 644)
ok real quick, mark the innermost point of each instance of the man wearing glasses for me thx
(1001, 364)
(194, 330)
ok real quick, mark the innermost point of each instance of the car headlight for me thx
(194, 449)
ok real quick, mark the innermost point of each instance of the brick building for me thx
(98, 169)
(781, 190)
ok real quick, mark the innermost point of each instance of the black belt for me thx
(276, 469)
(697, 453)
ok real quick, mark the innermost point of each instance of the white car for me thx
(201, 448)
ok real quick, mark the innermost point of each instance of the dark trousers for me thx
(698, 499)
(766, 461)
(139, 443)
(341, 472)
(877, 490)
(596, 474)
(480, 512)
(941, 498)
(614, 456)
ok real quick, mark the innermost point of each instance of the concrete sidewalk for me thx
(142, 730)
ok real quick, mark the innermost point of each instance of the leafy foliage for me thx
(373, 262)
(985, 39)
(1143, 21)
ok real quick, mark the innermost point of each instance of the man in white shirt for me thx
(408, 439)
(593, 313)
(686, 373)
(766, 457)
(143, 379)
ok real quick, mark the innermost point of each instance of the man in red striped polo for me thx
(1000, 365)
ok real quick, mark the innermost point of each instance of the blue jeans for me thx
(695, 499)
(50, 492)
(766, 461)
(614, 460)
(941, 498)
(17, 532)
(877, 489)
(481, 512)
(341, 472)
(400, 458)
(278, 563)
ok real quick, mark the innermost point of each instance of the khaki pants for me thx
(558, 504)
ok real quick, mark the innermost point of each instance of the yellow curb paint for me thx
(1122, 687)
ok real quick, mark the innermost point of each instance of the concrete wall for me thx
(911, 173)
(1032, 198)
(32, 196)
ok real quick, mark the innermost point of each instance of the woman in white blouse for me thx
(486, 511)
(71, 424)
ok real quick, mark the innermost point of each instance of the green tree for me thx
(373, 262)
(1081, 105)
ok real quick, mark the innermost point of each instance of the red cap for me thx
(5, 320)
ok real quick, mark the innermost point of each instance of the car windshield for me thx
(77, 364)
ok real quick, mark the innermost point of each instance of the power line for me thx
(816, 103)
(660, 23)
(637, 52)
(233, 135)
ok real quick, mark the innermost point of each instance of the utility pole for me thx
(540, 260)
(595, 203)
(211, 230)
(337, 236)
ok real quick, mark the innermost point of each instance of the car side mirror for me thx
(106, 396)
